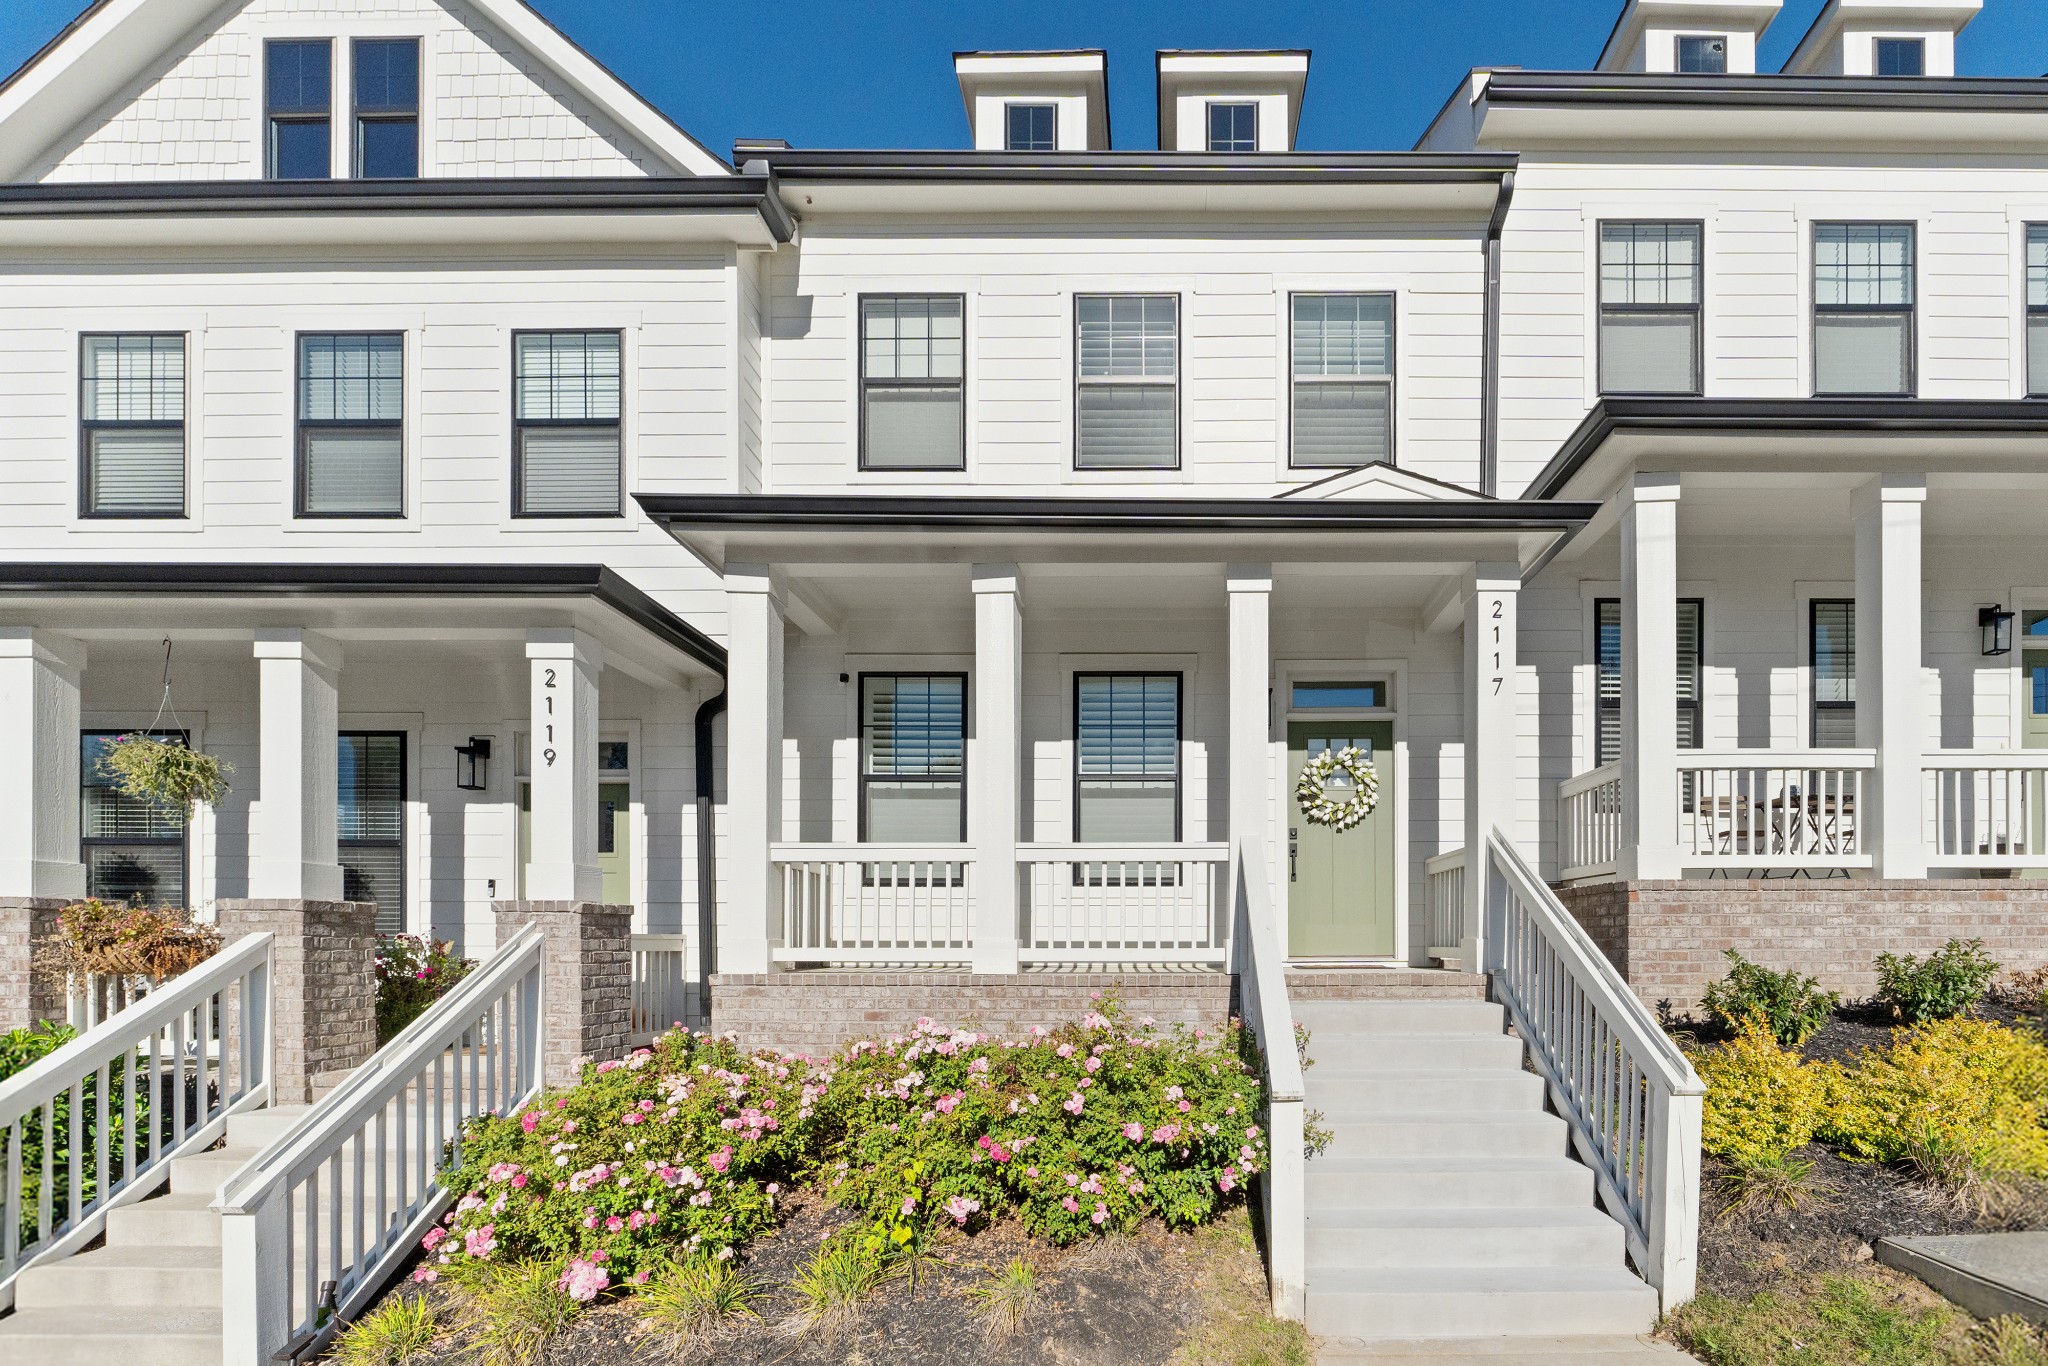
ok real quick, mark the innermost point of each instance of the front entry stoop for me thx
(1447, 1204)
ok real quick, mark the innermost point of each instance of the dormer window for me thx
(387, 99)
(298, 83)
(1900, 57)
(1030, 128)
(1233, 127)
(1703, 54)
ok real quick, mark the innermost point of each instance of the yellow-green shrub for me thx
(1957, 1097)
(1763, 1101)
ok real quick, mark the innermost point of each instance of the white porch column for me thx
(292, 855)
(1649, 677)
(1889, 707)
(995, 764)
(39, 676)
(753, 767)
(1250, 588)
(1492, 724)
(563, 667)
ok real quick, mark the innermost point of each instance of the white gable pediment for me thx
(173, 90)
(1382, 481)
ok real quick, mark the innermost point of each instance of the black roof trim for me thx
(1765, 91)
(985, 513)
(574, 194)
(1874, 415)
(1101, 52)
(370, 580)
(1191, 168)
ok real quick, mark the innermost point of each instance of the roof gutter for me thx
(1187, 168)
(1489, 392)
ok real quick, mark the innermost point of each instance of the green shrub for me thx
(20, 1049)
(413, 972)
(1764, 1102)
(1960, 1100)
(1947, 982)
(1793, 1006)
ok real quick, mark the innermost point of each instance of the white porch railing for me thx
(1773, 808)
(1987, 809)
(662, 985)
(1151, 903)
(313, 1225)
(1589, 823)
(1446, 877)
(875, 903)
(95, 996)
(183, 1058)
(1630, 1098)
(1259, 957)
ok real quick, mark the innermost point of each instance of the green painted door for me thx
(614, 852)
(1340, 888)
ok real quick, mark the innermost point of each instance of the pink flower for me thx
(480, 1242)
(945, 1105)
(1073, 1104)
(960, 1207)
(1173, 1093)
(529, 1121)
(1093, 1064)
(1100, 1216)
(720, 1160)
(519, 1181)
(1228, 1181)
(584, 1281)
(1065, 1050)
(434, 1238)
(426, 1275)
(1186, 1106)
(1134, 1131)
(909, 1205)
(1071, 1205)
(1166, 1133)
(613, 1223)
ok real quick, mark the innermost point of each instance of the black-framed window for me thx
(1127, 771)
(133, 850)
(1030, 128)
(1652, 281)
(387, 99)
(913, 389)
(1900, 57)
(1343, 379)
(566, 406)
(132, 424)
(370, 823)
(1233, 126)
(298, 86)
(913, 758)
(2037, 310)
(351, 424)
(1703, 54)
(1127, 363)
(1863, 300)
(1688, 682)
(1831, 648)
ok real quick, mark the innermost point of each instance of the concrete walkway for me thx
(1989, 1274)
(1565, 1351)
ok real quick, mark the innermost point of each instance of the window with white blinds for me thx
(1651, 282)
(1689, 681)
(1863, 293)
(2037, 310)
(913, 758)
(1343, 408)
(133, 850)
(912, 389)
(1127, 758)
(1832, 641)
(370, 823)
(566, 407)
(351, 425)
(132, 408)
(1127, 354)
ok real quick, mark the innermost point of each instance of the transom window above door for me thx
(913, 758)
(1362, 696)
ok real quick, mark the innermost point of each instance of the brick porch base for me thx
(1668, 937)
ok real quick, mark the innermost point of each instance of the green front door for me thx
(1340, 888)
(614, 858)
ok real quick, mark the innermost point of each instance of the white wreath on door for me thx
(1312, 790)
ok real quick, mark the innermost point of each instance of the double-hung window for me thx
(351, 425)
(1899, 56)
(1703, 54)
(1233, 127)
(913, 758)
(913, 410)
(1128, 364)
(1343, 409)
(370, 823)
(132, 409)
(566, 406)
(1651, 283)
(133, 849)
(1127, 758)
(1831, 643)
(2037, 310)
(1863, 292)
(387, 98)
(1030, 127)
(298, 84)
(1688, 680)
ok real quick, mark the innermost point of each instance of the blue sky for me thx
(878, 73)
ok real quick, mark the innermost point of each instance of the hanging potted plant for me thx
(167, 773)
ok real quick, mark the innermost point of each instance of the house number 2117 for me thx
(548, 754)
(1498, 677)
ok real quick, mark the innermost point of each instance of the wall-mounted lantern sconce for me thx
(1996, 623)
(472, 763)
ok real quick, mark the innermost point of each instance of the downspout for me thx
(707, 851)
(1489, 382)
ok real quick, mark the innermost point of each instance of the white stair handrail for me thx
(1628, 1095)
(206, 1031)
(1259, 958)
(294, 1272)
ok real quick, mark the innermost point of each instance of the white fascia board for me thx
(285, 234)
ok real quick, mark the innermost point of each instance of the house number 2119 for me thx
(548, 754)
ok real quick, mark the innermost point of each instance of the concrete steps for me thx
(1447, 1204)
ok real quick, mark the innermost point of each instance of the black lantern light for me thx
(1996, 623)
(472, 763)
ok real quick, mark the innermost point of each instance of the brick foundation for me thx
(323, 987)
(586, 978)
(817, 1012)
(26, 922)
(1668, 937)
